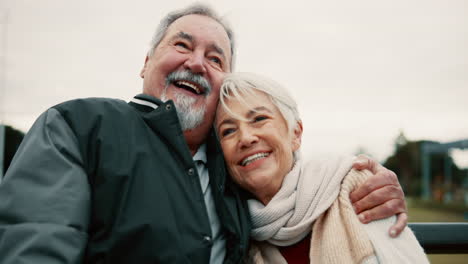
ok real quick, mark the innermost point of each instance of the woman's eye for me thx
(227, 131)
(259, 118)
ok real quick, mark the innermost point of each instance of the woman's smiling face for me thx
(259, 149)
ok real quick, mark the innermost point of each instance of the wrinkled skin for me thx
(381, 196)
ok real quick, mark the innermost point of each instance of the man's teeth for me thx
(253, 158)
(184, 83)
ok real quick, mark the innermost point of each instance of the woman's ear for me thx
(297, 136)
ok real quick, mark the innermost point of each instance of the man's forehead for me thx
(200, 26)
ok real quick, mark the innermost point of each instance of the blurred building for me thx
(426, 169)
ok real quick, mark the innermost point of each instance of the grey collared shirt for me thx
(218, 251)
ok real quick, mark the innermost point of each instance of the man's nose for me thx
(196, 63)
(248, 137)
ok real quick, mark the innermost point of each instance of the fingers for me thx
(382, 178)
(389, 208)
(378, 197)
(363, 162)
(397, 228)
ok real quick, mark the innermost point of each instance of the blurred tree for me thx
(13, 138)
(406, 163)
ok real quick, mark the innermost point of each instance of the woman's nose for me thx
(247, 138)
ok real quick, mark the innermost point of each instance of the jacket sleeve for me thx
(405, 248)
(45, 197)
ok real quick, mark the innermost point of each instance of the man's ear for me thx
(142, 72)
(297, 136)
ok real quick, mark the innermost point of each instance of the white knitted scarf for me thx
(306, 192)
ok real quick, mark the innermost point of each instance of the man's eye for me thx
(182, 45)
(216, 60)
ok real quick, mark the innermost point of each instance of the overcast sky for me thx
(361, 71)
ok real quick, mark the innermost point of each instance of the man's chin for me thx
(190, 111)
(190, 118)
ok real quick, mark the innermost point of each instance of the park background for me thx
(376, 77)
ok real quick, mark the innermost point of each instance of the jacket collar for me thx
(145, 103)
(148, 103)
(148, 98)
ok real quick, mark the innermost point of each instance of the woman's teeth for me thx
(253, 158)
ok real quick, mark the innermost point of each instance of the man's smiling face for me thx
(189, 65)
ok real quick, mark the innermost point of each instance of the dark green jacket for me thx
(104, 181)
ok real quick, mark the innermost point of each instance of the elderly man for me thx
(104, 181)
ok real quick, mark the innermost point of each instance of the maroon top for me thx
(297, 253)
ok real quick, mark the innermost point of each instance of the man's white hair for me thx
(194, 9)
(239, 86)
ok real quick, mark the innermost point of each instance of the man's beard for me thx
(190, 116)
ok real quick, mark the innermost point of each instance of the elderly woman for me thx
(301, 211)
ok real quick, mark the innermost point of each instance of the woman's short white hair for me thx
(238, 86)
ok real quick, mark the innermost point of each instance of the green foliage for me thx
(406, 163)
(13, 138)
